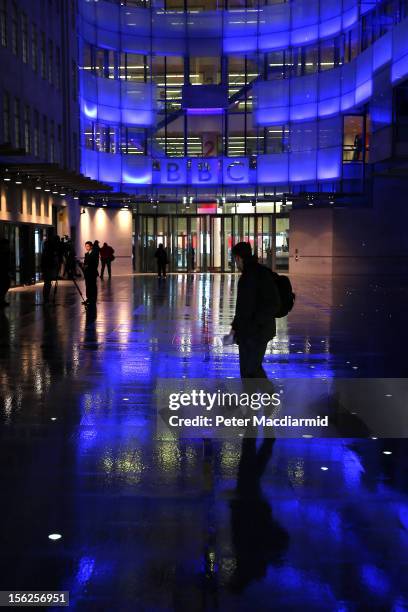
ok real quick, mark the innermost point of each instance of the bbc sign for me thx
(209, 171)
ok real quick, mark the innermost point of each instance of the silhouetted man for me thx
(258, 302)
(50, 266)
(90, 269)
(107, 256)
(161, 257)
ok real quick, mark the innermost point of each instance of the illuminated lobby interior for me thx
(197, 124)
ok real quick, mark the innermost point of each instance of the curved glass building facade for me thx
(268, 96)
(234, 104)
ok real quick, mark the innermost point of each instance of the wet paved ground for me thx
(157, 525)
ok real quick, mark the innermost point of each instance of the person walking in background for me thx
(50, 266)
(5, 257)
(90, 268)
(161, 257)
(258, 302)
(107, 256)
(97, 251)
(96, 248)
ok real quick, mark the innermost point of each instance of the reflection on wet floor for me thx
(150, 524)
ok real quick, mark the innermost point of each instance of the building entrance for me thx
(203, 243)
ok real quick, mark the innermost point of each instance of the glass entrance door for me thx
(221, 233)
(203, 243)
(180, 245)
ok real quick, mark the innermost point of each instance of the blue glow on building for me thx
(310, 154)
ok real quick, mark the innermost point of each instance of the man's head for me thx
(241, 252)
(105, 244)
(88, 246)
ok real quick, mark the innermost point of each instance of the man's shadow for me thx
(258, 539)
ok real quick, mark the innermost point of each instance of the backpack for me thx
(286, 294)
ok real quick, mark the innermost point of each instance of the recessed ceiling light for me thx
(324, 468)
(54, 536)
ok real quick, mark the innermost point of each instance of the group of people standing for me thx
(58, 261)
(93, 255)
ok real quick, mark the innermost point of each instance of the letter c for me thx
(231, 176)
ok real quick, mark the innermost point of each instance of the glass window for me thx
(88, 133)
(159, 78)
(50, 62)
(351, 44)
(205, 70)
(133, 67)
(174, 82)
(17, 140)
(58, 68)
(45, 138)
(276, 139)
(327, 55)
(14, 29)
(133, 141)
(311, 59)
(108, 139)
(6, 118)
(236, 135)
(34, 47)
(27, 129)
(174, 5)
(276, 65)
(88, 58)
(3, 23)
(100, 62)
(236, 74)
(36, 148)
(59, 143)
(205, 135)
(353, 138)
(174, 146)
(43, 56)
(24, 37)
(52, 141)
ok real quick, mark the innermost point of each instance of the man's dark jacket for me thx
(257, 303)
(90, 265)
